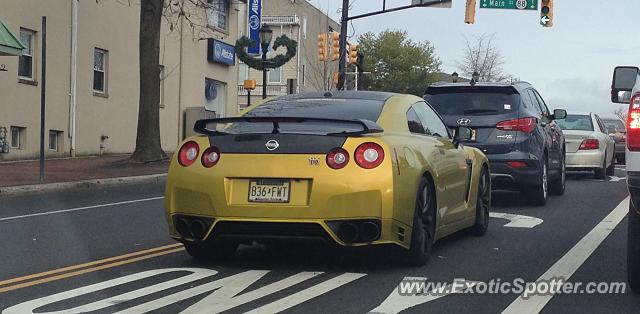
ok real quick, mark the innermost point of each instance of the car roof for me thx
(366, 95)
(518, 85)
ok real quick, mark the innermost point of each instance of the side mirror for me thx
(461, 133)
(624, 79)
(559, 114)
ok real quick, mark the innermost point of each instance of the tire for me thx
(611, 170)
(557, 187)
(537, 194)
(424, 225)
(601, 173)
(483, 204)
(211, 251)
(621, 159)
(633, 249)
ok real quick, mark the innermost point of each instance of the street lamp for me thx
(265, 34)
(454, 77)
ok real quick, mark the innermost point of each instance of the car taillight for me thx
(525, 125)
(517, 164)
(633, 124)
(337, 158)
(210, 157)
(188, 153)
(369, 155)
(590, 143)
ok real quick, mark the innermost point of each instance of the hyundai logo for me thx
(272, 145)
(464, 121)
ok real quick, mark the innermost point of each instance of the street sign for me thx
(544, 20)
(510, 4)
(254, 20)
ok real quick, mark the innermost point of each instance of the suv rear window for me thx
(473, 100)
(326, 108)
(576, 122)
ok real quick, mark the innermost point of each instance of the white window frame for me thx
(18, 130)
(242, 67)
(104, 70)
(57, 135)
(279, 81)
(30, 54)
(213, 13)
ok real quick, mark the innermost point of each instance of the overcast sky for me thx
(571, 63)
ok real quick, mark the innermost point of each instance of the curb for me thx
(84, 184)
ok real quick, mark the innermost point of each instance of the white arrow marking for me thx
(397, 302)
(517, 221)
(544, 20)
(616, 179)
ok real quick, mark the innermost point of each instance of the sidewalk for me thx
(21, 173)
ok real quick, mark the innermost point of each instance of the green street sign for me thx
(509, 4)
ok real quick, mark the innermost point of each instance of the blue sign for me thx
(221, 52)
(254, 19)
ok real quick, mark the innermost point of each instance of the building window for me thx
(215, 94)
(17, 137)
(243, 73)
(54, 140)
(218, 14)
(275, 75)
(25, 63)
(162, 77)
(100, 71)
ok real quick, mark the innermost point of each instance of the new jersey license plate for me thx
(269, 191)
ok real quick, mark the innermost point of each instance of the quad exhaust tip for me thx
(192, 227)
(356, 231)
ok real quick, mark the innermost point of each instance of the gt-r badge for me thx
(463, 121)
(314, 161)
(272, 145)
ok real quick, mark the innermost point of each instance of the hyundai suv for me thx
(512, 125)
(625, 89)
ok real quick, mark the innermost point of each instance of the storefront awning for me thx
(9, 43)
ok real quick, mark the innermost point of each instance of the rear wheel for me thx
(601, 173)
(211, 251)
(633, 249)
(483, 204)
(424, 225)
(557, 186)
(537, 194)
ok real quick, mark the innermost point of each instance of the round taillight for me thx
(369, 155)
(210, 157)
(188, 153)
(337, 158)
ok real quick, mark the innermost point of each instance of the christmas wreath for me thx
(271, 63)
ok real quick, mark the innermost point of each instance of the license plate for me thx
(269, 191)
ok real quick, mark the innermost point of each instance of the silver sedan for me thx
(588, 145)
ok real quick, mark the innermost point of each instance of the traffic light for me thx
(323, 39)
(546, 13)
(353, 53)
(335, 46)
(470, 13)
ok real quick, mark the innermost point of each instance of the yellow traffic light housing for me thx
(546, 13)
(323, 46)
(335, 46)
(353, 53)
(470, 13)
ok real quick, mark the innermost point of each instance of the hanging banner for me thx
(254, 22)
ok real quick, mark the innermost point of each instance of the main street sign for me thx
(509, 4)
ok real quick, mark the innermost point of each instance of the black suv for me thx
(512, 125)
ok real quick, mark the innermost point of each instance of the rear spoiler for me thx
(368, 126)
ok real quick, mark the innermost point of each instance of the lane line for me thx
(86, 270)
(101, 261)
(517, 221)
(82, 208)
(566, 266)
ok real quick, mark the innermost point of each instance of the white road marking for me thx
(566, 266)
(396, 302)
(616, 179)
(517, 221)
(83, 208)
(306, 294)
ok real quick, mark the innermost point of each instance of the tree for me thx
(621, 112)
(398, 64)
(482, 56)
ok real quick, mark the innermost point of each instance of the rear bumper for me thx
(584, 159)
(505, 177)
(633, 183)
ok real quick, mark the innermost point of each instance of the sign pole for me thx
(343, 43)
(42, 95)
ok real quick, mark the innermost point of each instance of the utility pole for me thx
(343, 43)
(43, 88)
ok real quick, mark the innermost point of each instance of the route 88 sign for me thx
(521, 4)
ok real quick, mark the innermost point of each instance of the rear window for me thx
(576, 122)
(326, 108)
(473, 101)
(614, 124)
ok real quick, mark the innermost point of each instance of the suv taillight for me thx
(633, 124)
(525, 125)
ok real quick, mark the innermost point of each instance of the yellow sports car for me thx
(352, 168)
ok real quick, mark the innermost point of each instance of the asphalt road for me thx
(107, 250)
